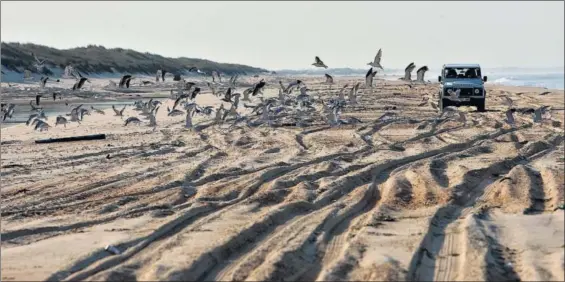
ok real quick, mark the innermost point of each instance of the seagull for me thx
(152, 119)
(38, 98)
(41, 125)
(55, 95)
(291, 85)
(216, 74)
(163, 72)
(420, 74)
(341, 96)
(189, 85)
(227, 96)
(510, 117)
(119, 113)
(369, 78)
(80, 81)
(97, 110)
(174, 112)
(125, 81)
(508, 101)
(408, 72)
(376, 63)
(194, 93)
(258, 87)
(34, 108)
(38, 63)
(75, 115)
(318, 63)
(132, 120)
(329, 79)
(9, 111)
(539, 113)
(43, 81)
(157, 75)
(454, 94)
(353, 94)
(61, 120)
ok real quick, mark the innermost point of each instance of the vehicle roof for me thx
(461, 66)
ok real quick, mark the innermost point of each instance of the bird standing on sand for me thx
(376, 63)
(319, 63)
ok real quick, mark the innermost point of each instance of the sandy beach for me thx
(416, 200)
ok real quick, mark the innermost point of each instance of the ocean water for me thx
(547, 80)
(550, 78)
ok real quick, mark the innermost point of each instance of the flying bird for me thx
(119, 113)
(132, 120)
(80, 81)
(38, 98)
(125, 81)
(258, 87)
(329, 79)
(319, 63)
(369, 78)
(510, 117)
(376, 63)
(408, 72)
(420, 74)
(43, 81)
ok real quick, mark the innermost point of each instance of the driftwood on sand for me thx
(70, 139)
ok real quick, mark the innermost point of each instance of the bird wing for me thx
(318, 61)
(420, 73)
(509, 116)
(115, 110)
(378, 57)
(369, 73)
(408, 70)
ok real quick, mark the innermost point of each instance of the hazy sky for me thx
(280, 35)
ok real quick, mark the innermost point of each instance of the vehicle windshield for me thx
(462, 73)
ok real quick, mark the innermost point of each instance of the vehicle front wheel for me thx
(444, 103)
(480, 104)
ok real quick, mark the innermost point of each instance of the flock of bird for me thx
(287, 108)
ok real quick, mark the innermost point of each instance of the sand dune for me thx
(417, 200)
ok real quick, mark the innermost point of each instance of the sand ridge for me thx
(405, 198)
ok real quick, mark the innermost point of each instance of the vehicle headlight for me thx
(477, 91)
